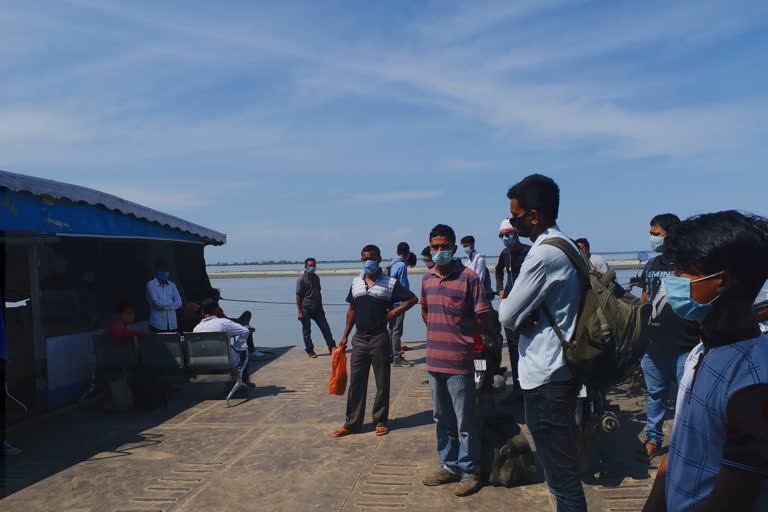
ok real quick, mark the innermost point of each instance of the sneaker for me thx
(470, 484)
(312, 355)
(440, 477)
(8, 449)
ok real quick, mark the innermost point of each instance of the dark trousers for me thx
(2, 401)
(369, 350)
(395, 329)
(549, 414)
(514, 355)
(245, 319)
(318, 315)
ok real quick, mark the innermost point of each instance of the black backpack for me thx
(609, 339)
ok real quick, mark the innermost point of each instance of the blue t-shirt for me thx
(399, 271)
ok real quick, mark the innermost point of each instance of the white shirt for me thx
(233, 330)
(599, 263)
(163, 300)
(546, 276)
(476, 263)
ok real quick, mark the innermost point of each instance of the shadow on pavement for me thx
(59, 439)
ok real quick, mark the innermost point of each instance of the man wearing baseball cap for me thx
(510, 260)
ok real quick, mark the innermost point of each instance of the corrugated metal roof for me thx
(55, 189)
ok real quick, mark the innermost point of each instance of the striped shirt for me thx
(372, 304)
(452, 303)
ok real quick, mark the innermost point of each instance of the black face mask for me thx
(523, 229)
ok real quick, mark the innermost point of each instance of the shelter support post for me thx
(38, 337)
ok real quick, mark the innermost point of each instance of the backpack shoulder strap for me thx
(576, 258)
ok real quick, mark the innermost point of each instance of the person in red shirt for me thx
(119, 328)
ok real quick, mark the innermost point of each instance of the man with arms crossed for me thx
(547, 278)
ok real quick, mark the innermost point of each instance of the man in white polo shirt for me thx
(164, 300)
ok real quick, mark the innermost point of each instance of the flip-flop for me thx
(342, 432)
(382, 431)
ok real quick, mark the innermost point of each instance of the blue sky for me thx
(315, 128)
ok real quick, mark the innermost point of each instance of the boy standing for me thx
(718, 457)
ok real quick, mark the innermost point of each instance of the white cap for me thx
(506, 227)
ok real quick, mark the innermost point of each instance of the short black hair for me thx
(123, 307)
(308, 260)
(214, 292)
(209, 306)
(426, 252)
(665, 221)
(161, 266)
(443, 230)
(372, 248)
(582, 241)
(469, 239)
(729, 240)
(403, 248)
(537, 192)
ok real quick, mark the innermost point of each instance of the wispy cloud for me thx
(391, 197)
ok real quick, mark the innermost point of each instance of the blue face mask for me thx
(679, 298)
(310, 270)
(468, 250)
(508, 241)
(163, 276)
(442, 257)
(370, 267)
(657, 243)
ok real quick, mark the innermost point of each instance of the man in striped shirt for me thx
(452, 305)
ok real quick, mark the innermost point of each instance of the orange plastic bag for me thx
(338, 383)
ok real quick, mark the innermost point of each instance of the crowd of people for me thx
(703, 345)
(701, 330)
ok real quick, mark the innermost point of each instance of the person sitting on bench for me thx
(119, 328)
(212, 323)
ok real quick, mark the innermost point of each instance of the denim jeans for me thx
(663, 372)
(318, 315)
(549, 414)
(458, 442)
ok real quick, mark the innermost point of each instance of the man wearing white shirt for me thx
(546, 278)
(596, 260)
(164, 300)
(476, 263)
(212, 323)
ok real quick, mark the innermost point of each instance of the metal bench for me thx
(161, 353)
(209, 353)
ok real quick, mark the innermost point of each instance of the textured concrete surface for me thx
(272, 451)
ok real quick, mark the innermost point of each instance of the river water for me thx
(277, 325)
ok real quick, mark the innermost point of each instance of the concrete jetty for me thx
(273, 451)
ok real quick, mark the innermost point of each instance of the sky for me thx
(314, 128)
